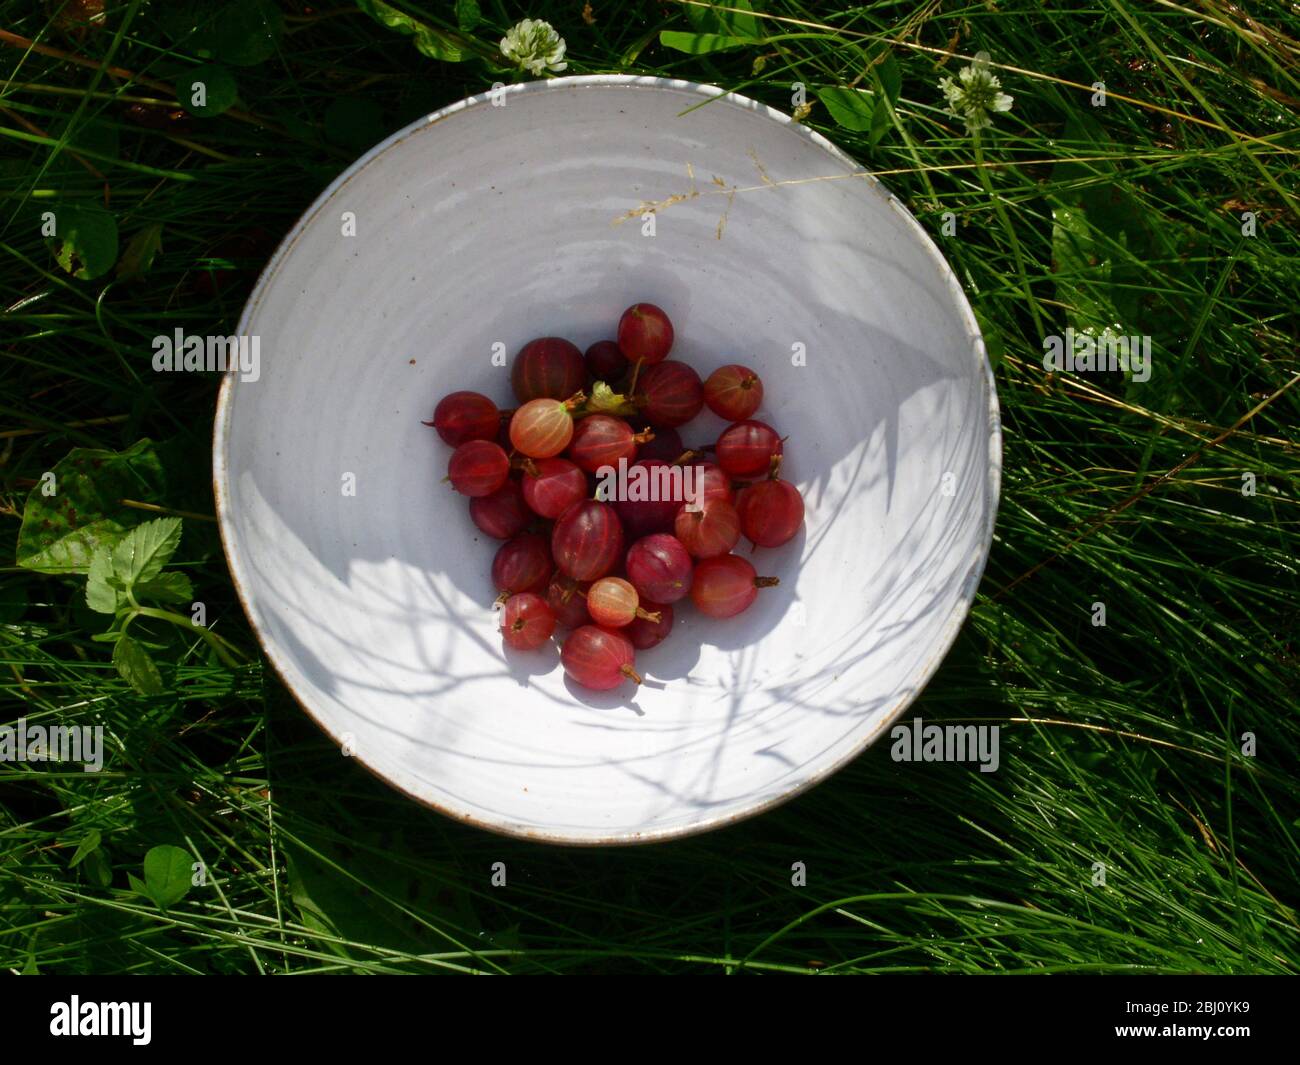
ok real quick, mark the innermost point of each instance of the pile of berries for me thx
(610, 570)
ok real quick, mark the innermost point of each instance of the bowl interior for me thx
(492, 223)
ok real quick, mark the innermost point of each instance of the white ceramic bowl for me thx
(489, 224)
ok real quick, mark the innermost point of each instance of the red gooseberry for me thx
(655, 491)
(666, 444)
(710, 530)
(669, 394)
(464, 416)
(613, 603)
(601, 440)
(587, 540)
(551, 486)
(547, 368)
(501, 514)
(733, 392)
(605, 362)
(659, 568)
(645, 334)
(771, 512)
(478, 468)
(598, 658)
(645, 633)
(526, 621)
(563, 596)
(746, 449)
(711, 483)
(522, 564)
(724, 586)
(542, 428)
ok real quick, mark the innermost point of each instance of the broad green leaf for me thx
(702, 43)
(891, 77)
(141, 554)
(735, 22)
(247, 32)
(1085, 137)
(90, 843)
(1125, 232)
(141, 250)
(1082, 271)
(702, 18)
(468, 14)
(61, 531)
(84, 242)
(98, 867)
(166, 588)
(72, 552)
(1105, 200)
(102, 594)
(93, 859)
(852, 109)
(435, 43)
(867, 111)
(881, 120)
(212, 84)
(137, 885)
(888, 77)
(167, 872)
(136, 667)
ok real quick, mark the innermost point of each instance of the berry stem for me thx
(766, 582)
(631, 674)
(649, 615)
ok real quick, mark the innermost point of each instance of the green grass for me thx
(1121, 744)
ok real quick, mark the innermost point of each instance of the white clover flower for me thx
(533, 45)
(975, 94)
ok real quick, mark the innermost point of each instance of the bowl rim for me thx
(285, 670)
